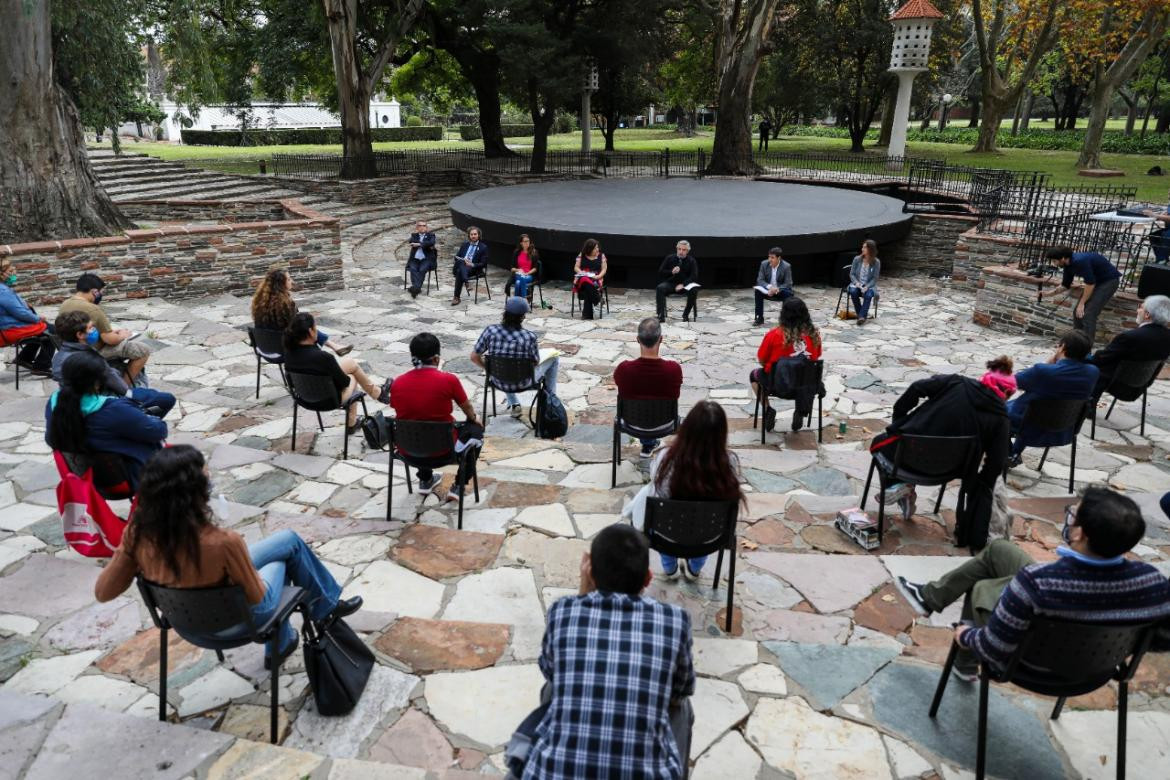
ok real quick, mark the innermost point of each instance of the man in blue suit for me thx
(1065, 376)
(469, 260)
(422, 256)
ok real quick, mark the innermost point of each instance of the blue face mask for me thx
(92, 337)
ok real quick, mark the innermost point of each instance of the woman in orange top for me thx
(172, 541)
(795, 336)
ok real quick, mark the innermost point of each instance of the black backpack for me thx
(551, 421)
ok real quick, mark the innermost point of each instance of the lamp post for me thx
(912, 23)
(944, 103)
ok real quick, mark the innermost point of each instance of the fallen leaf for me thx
(748, 544)
(888, 599)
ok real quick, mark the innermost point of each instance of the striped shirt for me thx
(1071, 588)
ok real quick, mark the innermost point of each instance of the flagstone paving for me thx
(829, 673)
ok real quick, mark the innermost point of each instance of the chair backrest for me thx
(647, 414)
(843, 275)
(1132, 377)
(687, 529)
(937, 456)
(422, 439)
(313, 391)
(1053, 415)
(196, 611)
(1069, 651)
(794, 376)
(510, 371)
(267, 343)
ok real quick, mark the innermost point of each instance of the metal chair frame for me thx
(1051, 415)
(325, 405)
(877, 296)
(427, 434)
(261, 341)
(602, 301)
(433, 271)
(17, 346)
(538, 273)
(514, 374)
(819, 377)
(1130, 375)
(655, 417)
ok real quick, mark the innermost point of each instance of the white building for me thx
(268, 116)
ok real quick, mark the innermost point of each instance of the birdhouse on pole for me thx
(913, 24)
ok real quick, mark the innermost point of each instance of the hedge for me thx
(308, 135)
(1112, 141)
(472, 133)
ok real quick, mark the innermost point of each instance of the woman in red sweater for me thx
(796, 336)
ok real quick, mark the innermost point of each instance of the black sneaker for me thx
(758, 321)
(647, 451)
(912, 592)
(426, 486)
(797, 421)
(1015, 460)
(769, 419)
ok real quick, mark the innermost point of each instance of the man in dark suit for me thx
(773, 282)
(1150, 340)
(676, 272)
(1065, 376)
(422, 256)
(765, 133)
(471, 258)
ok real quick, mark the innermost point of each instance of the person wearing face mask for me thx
(18, 321)
(1091, 581)
(1150, 340)
(114, 343)
(79, 336)
(428, 394)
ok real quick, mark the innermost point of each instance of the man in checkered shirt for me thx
(616, 661)
(510, 340)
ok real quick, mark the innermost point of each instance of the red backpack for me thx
(91, 527)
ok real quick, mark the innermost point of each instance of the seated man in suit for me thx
(773, 282)
(1150, 340)
(1066, 375)
(471, 259)
(677, 272)
(422, 256)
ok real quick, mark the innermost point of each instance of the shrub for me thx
(565, 123)
(308, 135)
(414, 120)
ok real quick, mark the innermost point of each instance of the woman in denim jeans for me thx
(863, 277)
(172, 541)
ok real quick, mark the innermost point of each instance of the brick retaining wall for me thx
(974, 251)
(186, 261)
(385, 189)
(928, 248)
(1005, 300)
(180, 211)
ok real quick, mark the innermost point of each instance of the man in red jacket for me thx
(648, 377)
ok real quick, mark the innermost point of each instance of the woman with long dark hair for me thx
(863, 278)
(589, 276)
(303, 355)
(173, 541)
(695, 466)
(796, 336)
(525, 266)
(81, 419)
(273, 308)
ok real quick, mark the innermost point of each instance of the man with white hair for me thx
(678, 272)
(1150, 340)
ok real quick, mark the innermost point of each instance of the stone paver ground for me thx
(829, 673)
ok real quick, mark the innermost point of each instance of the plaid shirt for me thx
(498, 341)
(614, 663)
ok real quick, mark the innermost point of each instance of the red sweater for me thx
(774, 347)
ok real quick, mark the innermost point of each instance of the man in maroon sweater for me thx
(648, 377)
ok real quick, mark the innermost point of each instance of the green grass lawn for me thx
(1060, 165)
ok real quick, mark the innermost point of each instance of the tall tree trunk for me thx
(887, 118)
(47, 188)
(1131, 110)
(609, 128)
(482, 69)
(994, 107)
(542, 122)
(973, 121)
(1029, 101)
(353, 97)
(744, 29)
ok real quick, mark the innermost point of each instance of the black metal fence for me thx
(1125, 243)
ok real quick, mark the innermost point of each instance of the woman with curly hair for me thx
(795, 336)
(173, 541)
(273, 308)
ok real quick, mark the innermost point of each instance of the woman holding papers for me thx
(589, 276)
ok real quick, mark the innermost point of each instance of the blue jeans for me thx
(548, 369)
(282, 559)
(322, 337)
(522, 282)
(669, 562)
(861, 300)
(146, 398)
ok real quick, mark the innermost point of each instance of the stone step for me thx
(178, 188)
(147, 172)
(108, 154)
(159, 181)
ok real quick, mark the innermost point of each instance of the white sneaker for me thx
(895, 493)
(516, 411)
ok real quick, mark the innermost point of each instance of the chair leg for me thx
(257, 376)
(219, 656)
(938, 502)
(494, 412)
(981, 747)
(345, 436)
(820, 420)
(1142, 430)
(756, 409)
(868, 481)
(292, 447)
(1058, 708)
(274, 706)
(1122, 717)
(881, 517)
(483, 414)
(320, 422)
(1093, 423)
(941, 688)
(389, 484)
(1109, 411)
(718, 569)
(617, 455)
(1043, 457)
(1072, 464)
(475, 482)
(162, 674)
(461, 494)
(730, 585)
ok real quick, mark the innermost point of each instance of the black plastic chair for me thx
(318, 394)
(477, 274)
(843, 282)
(924, 461)
(603, 300)
(1051, 416)
(413, 442)
(1062, 658)
(689, 529)
(810, 378)
(694, 309)
(432, 271)
(515, 374)
(198, 613)
(1130, 381)
(17, 346)
(537, 275)
(111, 478)
(645, 419)
(268, 346)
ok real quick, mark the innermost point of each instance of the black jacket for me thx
(1147, 342)
(481, 254)
(688, 269)
(428, 246)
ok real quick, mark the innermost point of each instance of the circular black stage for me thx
(730, 223)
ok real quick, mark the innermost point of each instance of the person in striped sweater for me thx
(1003, 588)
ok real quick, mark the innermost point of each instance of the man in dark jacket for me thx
(1150, 340)
(470, 261)
(1066, 376)
(677, 272)
(422, 256)
(773, 282)
(954, 406)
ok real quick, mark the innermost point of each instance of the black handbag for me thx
(338, 663)
(376, 430)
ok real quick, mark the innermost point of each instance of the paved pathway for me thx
(827, 674)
